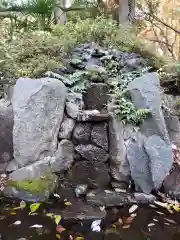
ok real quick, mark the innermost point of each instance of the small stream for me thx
(150, 223)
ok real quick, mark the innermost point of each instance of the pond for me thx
(144, 222)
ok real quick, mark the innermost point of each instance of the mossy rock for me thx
(30, 189)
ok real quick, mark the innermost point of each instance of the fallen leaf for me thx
(108, 191)
(56, 195)
(16, 208)
(79, 238)
(151, 224)
(70, 237)
(154, 219)
(68, 203)
(153, 206)
(95, 226)
(51, 215)
(36, 226)
(60, 229)
(102, 208)
(161, 204)
(120, 221)
(57, 219)
(170, 220)
(133, 208)
(113, 225)
(34, 207)
(12, 213)
(126, 226)
(58, 236)
(176, 208)
(22, 204)
(128, 220)
(160, 213)
(17, 223)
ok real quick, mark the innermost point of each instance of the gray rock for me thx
(139, 164)
(96, 96)
(171, 183)
(109, 198)
(92, 153)
(99, 135)
(145, 93)
(74, 104)
(92, 174)
(161, 159)
(171, 115)
(64, 156)
(12, 166)
(6, 139)
(66, 128)
(32, 183)
(119, 164)
(81, 190)
(38, 106)
(82, 133)
(92, 116)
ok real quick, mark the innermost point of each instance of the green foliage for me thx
(34, 53)
(123, 107)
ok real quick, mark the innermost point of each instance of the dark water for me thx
(163, 224)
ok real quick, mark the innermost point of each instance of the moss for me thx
(36, 186)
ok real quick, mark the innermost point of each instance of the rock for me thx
(32, 183)
(38, 106)
(171, 117)
(6, 139)
(145, 93)
(81, 190)
(99, 135)
(66, 128)
(92, 174)
(82, 133)
(161, 159)
(64, 156)
(119, 165)
(92, 153)
(92, 116)
(109, 198)
(171, 183)
(74, 104)
(96, 96)
(12, 166)
(80, 211)
(139, 164)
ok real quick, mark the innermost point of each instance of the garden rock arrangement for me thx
(65, 124)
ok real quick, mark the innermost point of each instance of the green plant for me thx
(123, 107)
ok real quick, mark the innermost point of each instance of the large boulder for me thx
(38, 106)
(119, 165)
(161, 159)
(139, 164)
(32, 183)
(6, 129)
(145, 94)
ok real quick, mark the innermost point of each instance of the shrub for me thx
(32, 53)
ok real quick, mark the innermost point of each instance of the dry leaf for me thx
(160, 213)
(126, 226)
(133, 208)
(120, 221)
(12, 213)
(68, 203)
(60, 229)
(151, 224)
(57, 219)
(34, 207)
(17, 222)
(36, 226)
(58, 236)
